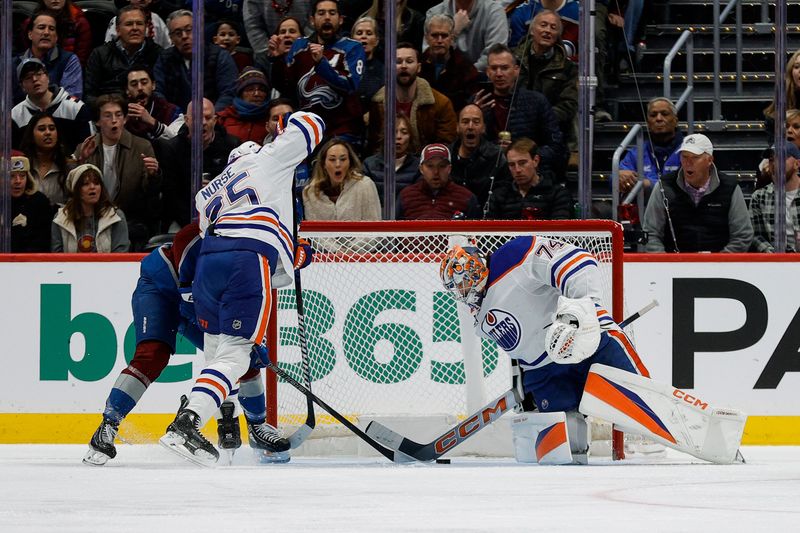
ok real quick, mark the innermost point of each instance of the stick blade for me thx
(384, 435)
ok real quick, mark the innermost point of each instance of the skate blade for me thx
(228, 454)
(95, 458)
(175, 443)
(265, 457)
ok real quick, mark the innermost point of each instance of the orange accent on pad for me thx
(551, 441)
(628, 347)
(219, 387)
(604, 391)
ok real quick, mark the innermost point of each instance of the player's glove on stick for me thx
(303, 254)
(259, 356)
(574, 335)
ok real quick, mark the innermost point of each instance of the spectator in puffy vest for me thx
(247, 117)
(89, 222)
(173, 68)
(435, 197)
(30, 210)
(532, 195)
(704, 209)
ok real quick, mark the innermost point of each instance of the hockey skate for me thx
(228, 430)
(101, 447)
(268, 445)
(184, 438)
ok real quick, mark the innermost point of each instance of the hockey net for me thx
(386, 342)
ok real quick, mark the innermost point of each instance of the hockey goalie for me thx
(539, 300)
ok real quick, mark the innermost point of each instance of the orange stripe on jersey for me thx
(552, 440)
(266, 306)
(260, 218)
(314, 127)
(565, 268)
(630, 350)
(606, 392)
(219, 387)
(524, 256)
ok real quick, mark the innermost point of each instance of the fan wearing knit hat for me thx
(89, 222)
(30, 210)
(247, 117)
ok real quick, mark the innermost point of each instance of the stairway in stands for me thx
(740, 138)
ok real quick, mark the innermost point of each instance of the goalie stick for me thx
(464, 430)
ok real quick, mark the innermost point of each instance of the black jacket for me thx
(107, 69)
(175, 158)
(546, 201)
(475, 172)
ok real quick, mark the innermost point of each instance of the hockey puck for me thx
(442, 461)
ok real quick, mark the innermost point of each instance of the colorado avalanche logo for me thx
(312, 92)
(503, 327)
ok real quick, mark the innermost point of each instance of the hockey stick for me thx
(301, 434)
(464, 430)
(388, 453)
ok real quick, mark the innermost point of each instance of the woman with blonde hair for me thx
(338, 189)
(89, 222)
(792, 80)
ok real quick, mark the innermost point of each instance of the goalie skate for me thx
(265, 437)
(101, 447)
(184, 438)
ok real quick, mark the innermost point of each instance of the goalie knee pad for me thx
(550, 438)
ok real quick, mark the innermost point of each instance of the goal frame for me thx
(463, 227)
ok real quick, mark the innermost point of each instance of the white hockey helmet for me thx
(245, 148)
(464, 273)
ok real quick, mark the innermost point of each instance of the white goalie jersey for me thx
(526, 277)
(252, 198)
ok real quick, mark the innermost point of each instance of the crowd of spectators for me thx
(486, 105)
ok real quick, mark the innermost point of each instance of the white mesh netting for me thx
(384, 339)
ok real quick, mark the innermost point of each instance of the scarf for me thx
(248, 111)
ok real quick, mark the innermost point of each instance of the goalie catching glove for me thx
(574, 335)
(303, 254)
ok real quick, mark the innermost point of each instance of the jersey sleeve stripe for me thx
(314, 128)
(581, 260)
(557, 264)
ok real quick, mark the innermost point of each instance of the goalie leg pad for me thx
(670, 416)
(550, 438)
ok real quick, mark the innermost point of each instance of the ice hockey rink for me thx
(147, 489)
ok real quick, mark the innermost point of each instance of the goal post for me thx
(387, 343)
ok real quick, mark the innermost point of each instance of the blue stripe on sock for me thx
(210, 393)
(219, 374)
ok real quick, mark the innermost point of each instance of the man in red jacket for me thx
(435, 197)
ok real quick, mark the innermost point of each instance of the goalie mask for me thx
(464, 274)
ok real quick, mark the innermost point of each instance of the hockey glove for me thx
(303, 254)
(575, 333)
(259, 356)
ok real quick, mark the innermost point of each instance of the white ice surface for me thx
(146, 489)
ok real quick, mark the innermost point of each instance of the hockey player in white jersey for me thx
(246, 216)
(539, 300)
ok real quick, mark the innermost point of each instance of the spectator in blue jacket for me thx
(63, 68)
(661, 155)
(173, 69)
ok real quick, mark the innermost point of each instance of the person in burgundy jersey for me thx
(322, 74)
(159, 314)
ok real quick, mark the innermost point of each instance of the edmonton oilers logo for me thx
(503, 328)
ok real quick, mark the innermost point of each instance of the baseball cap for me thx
(30, 64)
(697, 143)
(790, 148)
(435, 150)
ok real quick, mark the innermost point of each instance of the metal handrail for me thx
(637, 132)
(719, 18)
(687, 96)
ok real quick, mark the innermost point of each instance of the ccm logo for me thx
(470, 426)
(688, 398)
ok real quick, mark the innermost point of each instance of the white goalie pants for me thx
(227, 359)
